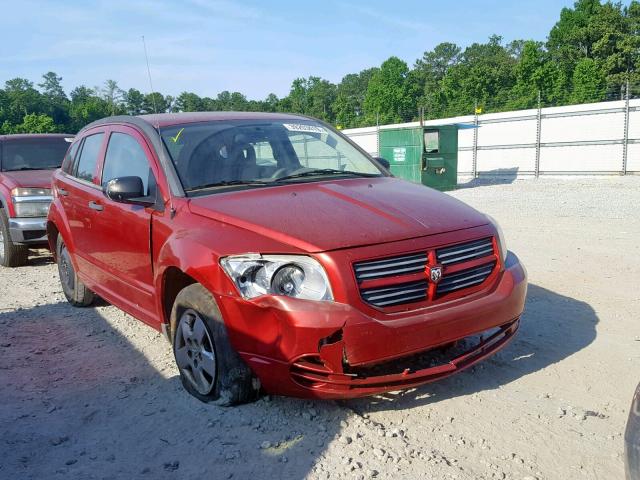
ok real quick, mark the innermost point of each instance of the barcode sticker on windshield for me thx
(299, 127)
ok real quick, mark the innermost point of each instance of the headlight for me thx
(502, 245)
(31, 202)
(32, 209)
(295, 276)
(31, 192)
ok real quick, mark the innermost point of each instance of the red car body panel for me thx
(344, 212)
(295, 347)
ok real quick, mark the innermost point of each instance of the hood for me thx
(28, 178)
(329, 215)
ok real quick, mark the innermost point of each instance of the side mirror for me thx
(127, 190)
(384, 162)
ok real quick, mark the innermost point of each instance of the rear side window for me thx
(126, 158)
(86, 164)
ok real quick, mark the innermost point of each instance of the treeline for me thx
(591, 54)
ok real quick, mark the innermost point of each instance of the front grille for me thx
(465, 252)
(465, 278)
(396, 295)
(33, 234)
(390, 267)
(404, 279)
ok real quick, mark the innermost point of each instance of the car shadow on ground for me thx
(500, 176)
(39, 257)
(80, 398)
(553, 328)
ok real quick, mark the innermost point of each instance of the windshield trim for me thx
(288, 183)
(50, 167)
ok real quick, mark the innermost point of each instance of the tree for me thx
(55, 100)
(606, 33)
(113, 95)
(483, 74)
(133, 102)
(52, 87)
(426, 78)
(387, 99)
(36, 123)
(271, 103)
(588, 82)
(189, 102)
(86, 107)
(312, 96)
(348, 106)
(155, 102)
(21, 99)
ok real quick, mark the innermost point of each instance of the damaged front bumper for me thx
(334, 350)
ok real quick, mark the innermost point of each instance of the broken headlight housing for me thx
(295, 276)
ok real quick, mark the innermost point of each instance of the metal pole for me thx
(625, 141)
(378, 133)
(475, 140)
(538, 133)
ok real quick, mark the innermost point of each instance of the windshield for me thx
(254, 153)
(33, 153)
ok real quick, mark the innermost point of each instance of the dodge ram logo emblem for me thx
(435, 273)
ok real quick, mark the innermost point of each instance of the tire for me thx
(210, 368)
(76, 292)
(11, 254)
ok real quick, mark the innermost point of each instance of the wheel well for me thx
(173, 282)
(52, 234)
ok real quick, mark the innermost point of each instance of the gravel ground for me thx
(94, 393)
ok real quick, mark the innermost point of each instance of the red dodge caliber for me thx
(275, 254)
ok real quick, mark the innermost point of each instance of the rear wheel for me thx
(76, 292)
(210, 368)
(11, 255)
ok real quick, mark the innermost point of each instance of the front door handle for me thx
(95, 206)
(62, 192)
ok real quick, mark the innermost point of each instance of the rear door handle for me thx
(95, 206)
(62, 192)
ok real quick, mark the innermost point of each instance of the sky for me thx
(254, 47)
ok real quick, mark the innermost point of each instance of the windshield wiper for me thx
(227, 183)
(326, 171)
(24, 169)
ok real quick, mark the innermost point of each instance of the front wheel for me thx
(75, 291)
(11, 255)
(210, 368)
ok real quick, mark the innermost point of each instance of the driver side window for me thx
(126, 158)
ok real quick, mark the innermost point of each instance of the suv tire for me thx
(76, 292)
(210, 368)
(11, 255)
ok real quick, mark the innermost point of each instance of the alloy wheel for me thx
(65, 268)
(194, 352)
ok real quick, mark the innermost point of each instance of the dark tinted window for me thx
(33, 153)
(89, 157)
(126, 158)
(67, 164)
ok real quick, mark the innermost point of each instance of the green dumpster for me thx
(427, 155)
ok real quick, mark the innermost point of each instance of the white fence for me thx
(589, 139)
